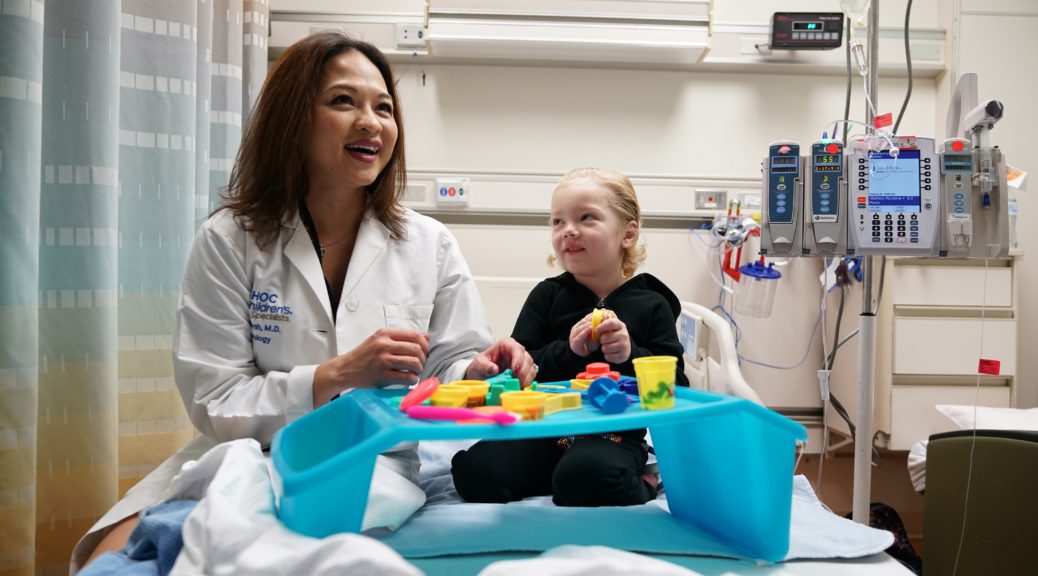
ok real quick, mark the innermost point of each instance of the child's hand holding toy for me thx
(601, 329)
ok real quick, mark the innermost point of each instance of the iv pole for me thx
(867, 328)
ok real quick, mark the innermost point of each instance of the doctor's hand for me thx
(580, 341)
(503, 354)
(614, 340)
(389, 356)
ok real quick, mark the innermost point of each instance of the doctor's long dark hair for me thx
(269, 177)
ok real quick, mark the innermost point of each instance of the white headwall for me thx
(515, 129)
(650, 125)
(646, 123)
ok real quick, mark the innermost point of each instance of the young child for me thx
(595, 222)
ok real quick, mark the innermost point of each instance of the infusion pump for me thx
(781, 220)
(895, 200)
(905, 198)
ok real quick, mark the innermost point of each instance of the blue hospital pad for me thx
(535, 526)
(453, 529)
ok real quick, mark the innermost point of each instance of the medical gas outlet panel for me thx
(825, 217)
(894, 199)
(783, 193)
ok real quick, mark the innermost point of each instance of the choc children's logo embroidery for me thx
(267, 313)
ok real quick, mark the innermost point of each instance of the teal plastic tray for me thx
(727, 463)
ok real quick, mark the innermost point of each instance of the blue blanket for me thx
(153, 546)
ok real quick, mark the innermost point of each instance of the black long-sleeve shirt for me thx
(644, 304)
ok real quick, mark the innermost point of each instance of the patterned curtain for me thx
(119, 122)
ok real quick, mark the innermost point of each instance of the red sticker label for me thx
(990, 367)
(883, 120)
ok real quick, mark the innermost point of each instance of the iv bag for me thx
(856, 10)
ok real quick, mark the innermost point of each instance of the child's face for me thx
(587, 234)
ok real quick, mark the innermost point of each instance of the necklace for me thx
(311, 229)
(323, 246)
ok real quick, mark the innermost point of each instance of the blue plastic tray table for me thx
(727, 463)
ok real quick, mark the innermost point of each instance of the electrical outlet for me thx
(453, 191)
(410, 36)
(711, 199)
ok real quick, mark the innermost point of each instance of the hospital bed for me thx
(702, 331)
(711, 363)
(234, 528)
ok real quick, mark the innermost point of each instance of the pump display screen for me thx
(828, 163)
(894, 182)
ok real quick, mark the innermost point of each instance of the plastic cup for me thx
(656, 381)
(526, 403)
(477, 390)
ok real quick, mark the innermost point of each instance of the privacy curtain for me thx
(119, 122)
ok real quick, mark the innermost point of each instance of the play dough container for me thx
(599, 315)
(527, 403)
(477, 391)
(656, 381)
(450, 395)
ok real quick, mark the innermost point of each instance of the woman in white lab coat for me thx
(313, 279)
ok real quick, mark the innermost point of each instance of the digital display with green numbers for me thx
(806, 30)
(815, 26)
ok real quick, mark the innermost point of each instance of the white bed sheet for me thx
(602, 561)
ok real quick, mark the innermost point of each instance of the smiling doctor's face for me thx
(354, 130)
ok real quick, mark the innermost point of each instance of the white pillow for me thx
(991, 418)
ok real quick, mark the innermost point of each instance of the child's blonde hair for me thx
(624, 201)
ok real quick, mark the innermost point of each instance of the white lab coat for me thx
(253, 325)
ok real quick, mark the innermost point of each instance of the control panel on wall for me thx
(894, 198)
(453, 191)
(783, 193)
(825, 229)
(806, 30)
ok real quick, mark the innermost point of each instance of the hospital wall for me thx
(514, 129)
(671, 131)
(997, 39)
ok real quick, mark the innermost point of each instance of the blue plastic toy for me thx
(628, 385)
(604, 395)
